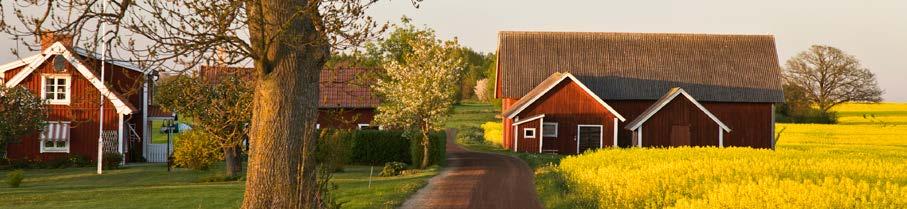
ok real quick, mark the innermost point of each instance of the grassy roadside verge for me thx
(151, 186)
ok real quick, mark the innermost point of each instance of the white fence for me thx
(156, 153)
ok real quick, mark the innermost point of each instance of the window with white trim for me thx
(529, 133)
(366, 126)
(56, 89)
(549, 129)
(55, 137)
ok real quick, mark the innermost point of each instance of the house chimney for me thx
(49, 38)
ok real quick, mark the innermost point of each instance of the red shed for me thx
(677, 119)
(561, 115)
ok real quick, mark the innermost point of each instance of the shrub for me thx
(334, 149)
(470, 135)
(196, 150)
(112, 160)
(787, 114)
(392, 169)
(378, 147)
(494, 133)
(437, 148)
(14, 178)
(77, 160)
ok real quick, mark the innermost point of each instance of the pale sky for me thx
(875, 31)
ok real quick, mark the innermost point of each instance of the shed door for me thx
(589, 138)
(680, 135)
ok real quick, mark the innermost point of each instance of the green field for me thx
(151, 186)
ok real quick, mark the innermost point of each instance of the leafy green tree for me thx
(420, 89)
(218, 107)
(21, 113)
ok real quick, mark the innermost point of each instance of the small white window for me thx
(549, 130)
(55, 89)
(317, 126)
(366, 126)
(55, 137)
(529, 133)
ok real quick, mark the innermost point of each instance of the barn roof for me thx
(641, 66)
(340, 87)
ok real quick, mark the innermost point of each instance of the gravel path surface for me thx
(478, 180)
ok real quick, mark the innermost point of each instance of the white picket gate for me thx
(156, 153)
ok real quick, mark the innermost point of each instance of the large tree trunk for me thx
(281, 171)
(231, 158)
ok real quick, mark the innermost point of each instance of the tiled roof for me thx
(642, 66)
(340, 88)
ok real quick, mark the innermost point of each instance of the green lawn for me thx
(472, 114)
(151, 186)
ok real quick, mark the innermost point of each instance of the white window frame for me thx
(317, 126)
(526, 133)
(67, 85)
(548, 133)
(362, 125)
(64, 149)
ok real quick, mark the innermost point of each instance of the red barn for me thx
(68, 79)
(676, 90)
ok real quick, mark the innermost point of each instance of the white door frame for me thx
(601, 133)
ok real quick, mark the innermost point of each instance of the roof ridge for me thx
(517, 32)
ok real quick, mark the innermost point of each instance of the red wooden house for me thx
(68, 79)
(568, 92)
(345, 98)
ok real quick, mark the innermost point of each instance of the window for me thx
(56, 89)
(529, 133)
(366, 126)
(55, 137)
(549, 130)
(318, 126)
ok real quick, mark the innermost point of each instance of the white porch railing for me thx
(156, 153)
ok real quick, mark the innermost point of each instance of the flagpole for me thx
(101, 97)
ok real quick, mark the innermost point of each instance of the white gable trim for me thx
(671, 98)
(518, 122)
(580, 84)
(19, 63)
(59, 49)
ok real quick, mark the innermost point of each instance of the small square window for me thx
(529, 133)
(549, 130)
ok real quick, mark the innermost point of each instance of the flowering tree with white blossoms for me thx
(419, 91)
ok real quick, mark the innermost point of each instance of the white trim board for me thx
(59, 49)
(580, 84)
(518, 122)
(637, 123)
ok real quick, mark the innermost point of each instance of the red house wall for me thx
(680, 111)
(751, 123)
(569, 105)
(82, 111)
(345, 118)
(525, 144)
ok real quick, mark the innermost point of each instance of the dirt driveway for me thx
(478, 180)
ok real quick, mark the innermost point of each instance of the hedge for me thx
(377, 147)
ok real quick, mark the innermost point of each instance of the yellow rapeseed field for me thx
(863, 165)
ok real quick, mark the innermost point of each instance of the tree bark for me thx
(425, 145)
(281, 171)
(231, 158)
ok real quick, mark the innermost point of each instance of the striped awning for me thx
(55, 131)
